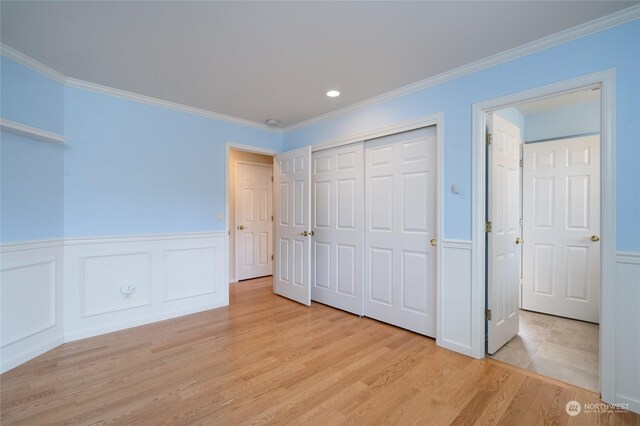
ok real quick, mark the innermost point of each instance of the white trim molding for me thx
(85, 85)
(627, 329)
(455, 321)
(30, 131)
(54, 75)
(31, 290)
(80, 282)
(617, 18)
(606, 80)
(608, 21)
(31, 63)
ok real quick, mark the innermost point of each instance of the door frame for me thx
(227, 190)
(235, 208)
(606, 81)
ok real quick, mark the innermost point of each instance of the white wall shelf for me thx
(30, 132)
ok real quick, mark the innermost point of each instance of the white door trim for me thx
(227, 173)
(606, 80)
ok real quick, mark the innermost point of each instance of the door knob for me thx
(433, 242)
(595, 238)
(519, 240)
(241, 227)
(304, 234)
(312, 233)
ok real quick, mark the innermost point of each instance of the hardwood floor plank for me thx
(266, 359)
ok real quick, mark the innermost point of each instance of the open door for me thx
(292, 176)
(503, 231)
(561, 226)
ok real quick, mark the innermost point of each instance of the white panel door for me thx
(337, 218)
(561, 180)
(400, 220)
(503, 246)
(293, 256)
(254, 210)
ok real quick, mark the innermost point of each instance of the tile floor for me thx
(560, 348)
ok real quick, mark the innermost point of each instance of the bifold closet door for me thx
(337, 243)
(400, 221)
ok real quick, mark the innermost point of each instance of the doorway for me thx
(543, 235)
(250, 215)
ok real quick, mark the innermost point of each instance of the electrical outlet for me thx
(127, 290)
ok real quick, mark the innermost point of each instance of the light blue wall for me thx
(617, 48)
(133, 168)
(30, 98)
(31, 188)
(560, 122)
(31, 171)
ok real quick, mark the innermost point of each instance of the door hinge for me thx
(520, 221)
(488, 138)
(271, 218)
(271, 178)
(487, 314)
(271, 257)
(487, 227)
(521, 162)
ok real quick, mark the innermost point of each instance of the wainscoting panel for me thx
(103, 276)
(628, 329)
(116, 283)
(31, 300)
(190, 272)
(454, 314)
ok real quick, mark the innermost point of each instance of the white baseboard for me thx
(29, 354)
(83, 334)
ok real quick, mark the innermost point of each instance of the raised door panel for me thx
(338, 227)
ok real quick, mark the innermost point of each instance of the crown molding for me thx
(41, 68)
(618, 18)
(608, 21)
(85, 85)
(31, 63)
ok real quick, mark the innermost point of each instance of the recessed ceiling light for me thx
(333, 93)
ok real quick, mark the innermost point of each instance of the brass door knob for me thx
(312, 233)
(595, 238)
(304, 234)
(519, 240)
(433, 242)
(241, 227)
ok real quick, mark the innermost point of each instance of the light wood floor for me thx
(265, 359)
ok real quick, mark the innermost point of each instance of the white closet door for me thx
(561, 222)
(337, 218)
(254, 210)
(293, 222)
(400, 218)
(503, 245)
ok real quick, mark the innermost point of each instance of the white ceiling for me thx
(260, 60)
